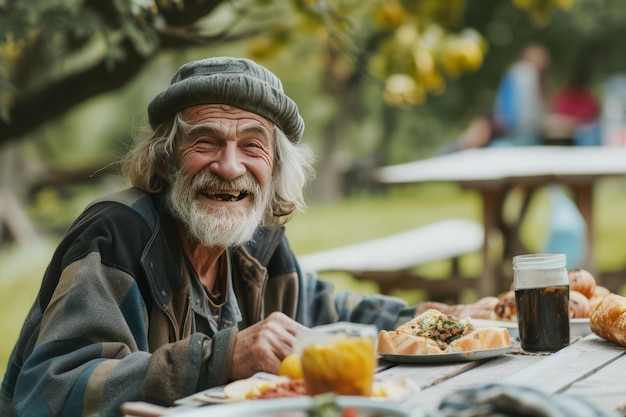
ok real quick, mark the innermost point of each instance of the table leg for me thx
(583, 196)
(511, 239)
(493, 200)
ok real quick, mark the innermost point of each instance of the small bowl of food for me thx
(338, 358)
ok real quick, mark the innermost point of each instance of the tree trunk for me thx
(327, 184)
(13, 217)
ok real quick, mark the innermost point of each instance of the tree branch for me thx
(190, 11)
(31, 112)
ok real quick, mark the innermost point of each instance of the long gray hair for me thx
(152, 162)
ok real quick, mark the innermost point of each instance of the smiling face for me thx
(222, 188)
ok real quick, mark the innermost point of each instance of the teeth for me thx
(227, 196)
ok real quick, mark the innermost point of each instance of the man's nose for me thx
(228, 165)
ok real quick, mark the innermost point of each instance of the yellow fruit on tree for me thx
(402, 90)
(390, 14)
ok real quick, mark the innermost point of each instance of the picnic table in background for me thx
(494, 172)
(389, 260)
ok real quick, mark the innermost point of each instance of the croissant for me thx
(608, 318)
(582, 281)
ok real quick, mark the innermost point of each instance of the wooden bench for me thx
(389, 260)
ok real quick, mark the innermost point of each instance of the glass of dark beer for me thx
(542, 301)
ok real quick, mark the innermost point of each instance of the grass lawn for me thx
(357, 218)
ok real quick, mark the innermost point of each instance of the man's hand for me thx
(263, 346)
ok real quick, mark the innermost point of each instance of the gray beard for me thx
(212, 225)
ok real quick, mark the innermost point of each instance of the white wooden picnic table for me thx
(389, 260)
(494, 172)
(590, 368)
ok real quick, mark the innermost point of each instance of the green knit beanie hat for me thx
(238, 82)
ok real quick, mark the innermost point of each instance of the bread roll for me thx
(582, 281)
(483, 308)
(506, 309)
(579, 306)
(601, 291)
(608, 318)
(424, 306)
(398, 343)
(598, 295)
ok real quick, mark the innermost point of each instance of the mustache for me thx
(207, 181)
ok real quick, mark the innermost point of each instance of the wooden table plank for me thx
(596, 389)
(425, 375)
(485, 371)
(558, 371)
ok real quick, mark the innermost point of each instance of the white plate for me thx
(298, 407)
(381, 391)
(216, 395)
(472, 355)
(578, 327)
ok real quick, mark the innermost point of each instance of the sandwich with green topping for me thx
(436, 332)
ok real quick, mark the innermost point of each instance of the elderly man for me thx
(186, 280)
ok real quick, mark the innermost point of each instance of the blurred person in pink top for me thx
(574, 110)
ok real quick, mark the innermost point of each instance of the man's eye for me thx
(255, 144)
(205, 143)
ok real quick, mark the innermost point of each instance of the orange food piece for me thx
(344, 366)
(291, 367)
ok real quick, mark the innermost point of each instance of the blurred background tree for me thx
(378, 82)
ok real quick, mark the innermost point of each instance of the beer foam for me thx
(539, 278)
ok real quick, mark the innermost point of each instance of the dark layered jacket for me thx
(113, 321)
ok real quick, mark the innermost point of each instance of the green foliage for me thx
(50, 20)
(45, 41)
(21, 269)
(541, 10)
(60, 29)
(442, 54)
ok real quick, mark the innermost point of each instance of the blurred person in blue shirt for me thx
(522, 97)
